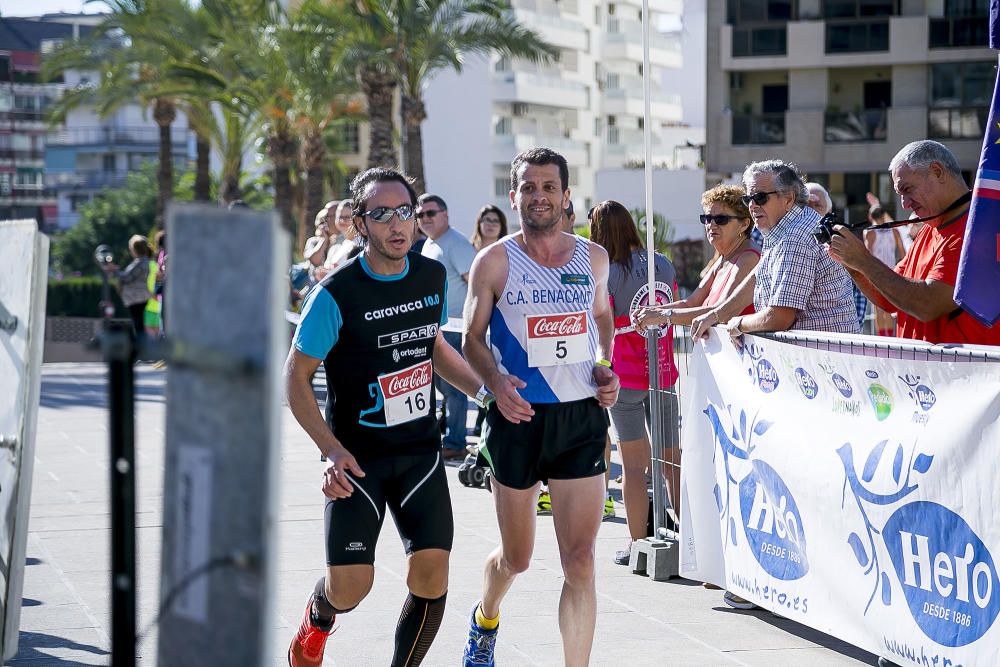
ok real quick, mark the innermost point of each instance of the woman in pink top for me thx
(727, 226)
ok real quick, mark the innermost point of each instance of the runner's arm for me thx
(486, 279)
(607, 381)
(450, 365)
(299, 371)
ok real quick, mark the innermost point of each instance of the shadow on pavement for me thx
(805, 632)
(29, 644)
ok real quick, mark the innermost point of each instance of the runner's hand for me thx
(607, 385)
(335, 482)
(510, 403)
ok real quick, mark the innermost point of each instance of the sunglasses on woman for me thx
(720, 220)
(383, 214)
(759, 198)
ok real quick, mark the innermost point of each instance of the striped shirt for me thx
(795, 272)
(542, 329)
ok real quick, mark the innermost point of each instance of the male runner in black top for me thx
(375, 324)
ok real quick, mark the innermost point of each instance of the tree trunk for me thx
(313, 160)
(164, 113)
(379, 89)
(202, 174)
(281, 150)
(414, 114)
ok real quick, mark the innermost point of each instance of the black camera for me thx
(823, 231)
(103, 255)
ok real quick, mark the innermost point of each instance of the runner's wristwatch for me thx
(483, 397)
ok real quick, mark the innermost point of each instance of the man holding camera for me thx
(795, 285)
(921, 288)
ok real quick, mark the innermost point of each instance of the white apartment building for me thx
(587, 104)
(839, 86)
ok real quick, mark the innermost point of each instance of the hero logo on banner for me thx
(946, 572)
(556, 340)
(769, 514)
(407, 393)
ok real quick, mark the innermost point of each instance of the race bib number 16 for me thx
(556, 340)
(407, 393)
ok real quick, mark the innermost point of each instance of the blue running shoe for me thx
(479, 649)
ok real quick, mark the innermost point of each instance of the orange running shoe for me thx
(309, 642)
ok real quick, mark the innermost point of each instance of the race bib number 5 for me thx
(556, 340)
(407, 393)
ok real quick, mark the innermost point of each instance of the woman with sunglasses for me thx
(727, 226)
(491, 226)
(612, 227)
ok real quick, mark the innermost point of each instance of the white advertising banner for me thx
(853, 494)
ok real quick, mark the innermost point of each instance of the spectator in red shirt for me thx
(921, 288)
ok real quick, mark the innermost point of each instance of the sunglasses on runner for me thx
(759, 198)
(383, 214)
(720, 220)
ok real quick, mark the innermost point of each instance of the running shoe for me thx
(736, 602)
(481, 644)
(609, 509)
(310, 642)
(622, 556)
(544, 503)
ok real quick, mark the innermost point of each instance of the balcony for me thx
(958, 31)
(957, 122)
(22, 116)
(762, 40)
(85, 180)
(23, 195)
(623, 41)
(758, 129)
(854, 126)
(628, 101)
(559, 30)
(542, 89)
(509, 145)
(857, 36)
(19, 155)
(114, 136)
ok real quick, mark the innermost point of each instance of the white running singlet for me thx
(542, 329)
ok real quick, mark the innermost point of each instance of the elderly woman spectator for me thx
(727, 227)
(491, 226)
(133, 282)
(348, 244)
(796, 285)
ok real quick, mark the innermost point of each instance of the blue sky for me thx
(36, 7)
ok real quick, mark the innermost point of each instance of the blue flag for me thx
(979, 267)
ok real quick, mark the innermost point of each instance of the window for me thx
(76, 201)
(108, 162)
(965, 23)
(613, 81)
(966, 7)
(28, 179)
(962, 84)
(503, 126)
(347, 137)
(501, 186)
(744, 11)
(838, 9)
(502, 64)
(857, 36)
(4, 68)
(759, 41)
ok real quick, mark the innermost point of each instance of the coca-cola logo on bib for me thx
(407, 380)
(564, 324)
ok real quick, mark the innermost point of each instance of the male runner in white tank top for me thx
(543, 296)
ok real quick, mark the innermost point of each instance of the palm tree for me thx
(437, 34)
(130, 59)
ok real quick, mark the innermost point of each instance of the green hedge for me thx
(79, 297)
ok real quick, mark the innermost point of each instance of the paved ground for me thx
(66, 614)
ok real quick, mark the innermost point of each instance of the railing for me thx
(95, 179)
(21, 115)
(635, 92)
(856, 36)
(768, 128)
(21, 154)
(851, 126)
(103, 136)
(762, 40)
(22, 192)
(958, 31)
(545, 80)
(957, 122)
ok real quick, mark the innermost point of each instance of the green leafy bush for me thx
(79, 297)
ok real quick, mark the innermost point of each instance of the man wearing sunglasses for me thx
(796, 285)
(375, 324)
(447, 246)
